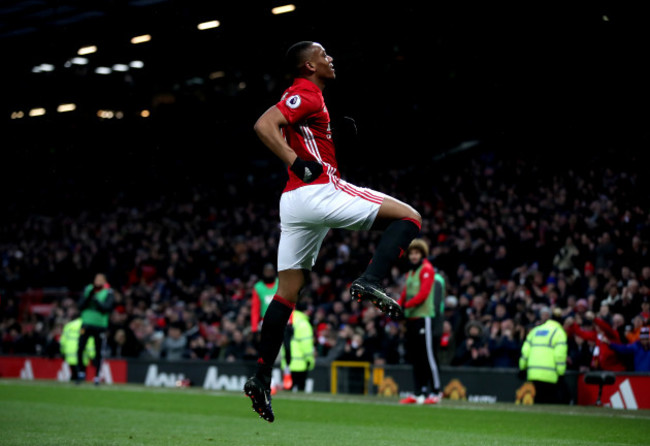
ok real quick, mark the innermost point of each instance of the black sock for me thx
(392, 245)
(272, 335)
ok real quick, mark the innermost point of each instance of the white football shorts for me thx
(309, 212)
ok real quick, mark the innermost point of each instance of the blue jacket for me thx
(641, 355)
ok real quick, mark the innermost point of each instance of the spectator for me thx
(198, 348)
(639, 350)
(393, 346)
(613, 296)
(564, 259)
(603, 334)
(447, 344)
(633, 334)
(645, 310)
(174, 346)
(504, 348)
(123, 344)
(473, 351)
(207, 263)
(239, 347)
(629, 304)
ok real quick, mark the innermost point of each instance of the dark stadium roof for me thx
(434, 73)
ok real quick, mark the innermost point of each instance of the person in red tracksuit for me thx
(262, 295)
(424, 311)
(604, 358)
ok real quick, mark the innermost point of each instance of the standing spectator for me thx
(543, 357)
(612, 297)
(634, 332)
(605, 253)
(503, 346)
(473, 350)
(565, 258)
(198, 348)
(629, 305)
(239, 347)
(447, 344)
(639, 350)
(603, 357)
(645, 310)
(174, 346)
(95, 305)
(124, 344)
(393, 345)
(423, 300)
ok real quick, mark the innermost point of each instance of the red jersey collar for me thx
(306, 83)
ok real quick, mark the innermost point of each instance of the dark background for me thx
(418, 78)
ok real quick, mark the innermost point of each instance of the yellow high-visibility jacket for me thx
(69, 343)
(544, 352)
(302, 344)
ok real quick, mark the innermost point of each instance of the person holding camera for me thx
(473, 351)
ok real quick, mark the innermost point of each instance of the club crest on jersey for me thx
(293, 102)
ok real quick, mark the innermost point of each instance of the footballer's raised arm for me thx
(267, 128)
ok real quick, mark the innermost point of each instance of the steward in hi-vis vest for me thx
(299, 358)
(543, 356)
(69, 345)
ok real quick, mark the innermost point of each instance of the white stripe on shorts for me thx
(308, 213)
(355, 191)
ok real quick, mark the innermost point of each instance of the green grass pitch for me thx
(50, 413)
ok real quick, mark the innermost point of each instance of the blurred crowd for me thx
(515, 237)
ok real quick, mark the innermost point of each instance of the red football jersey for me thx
(308, 133)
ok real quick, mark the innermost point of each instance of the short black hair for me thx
(296, 55)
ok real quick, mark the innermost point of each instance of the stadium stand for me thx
(511, 234)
